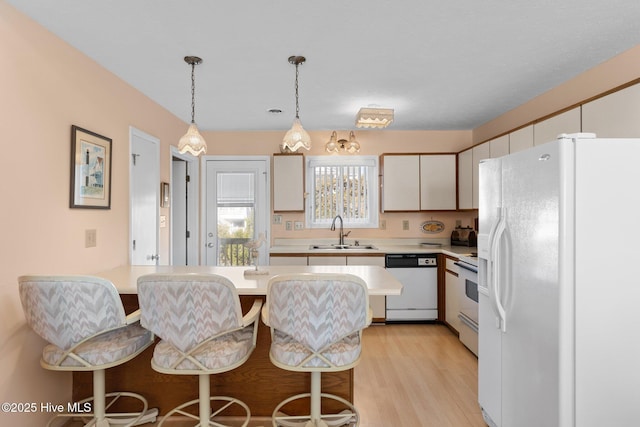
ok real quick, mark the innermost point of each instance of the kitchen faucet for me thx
(341, 235)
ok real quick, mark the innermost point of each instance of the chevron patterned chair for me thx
(199, 318)
(316, 323)
(83, 319)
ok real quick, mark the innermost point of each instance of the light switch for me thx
(90, 238)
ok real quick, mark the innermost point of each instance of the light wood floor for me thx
(412, 376)
(416, 375)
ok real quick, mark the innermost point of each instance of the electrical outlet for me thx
(299, 225)
(383, 224)
(289, 225)
(90, 238)
(458, 223)
(405, 224)
(277, 219)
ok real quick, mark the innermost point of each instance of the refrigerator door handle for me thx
(497, 267)
(489, 270)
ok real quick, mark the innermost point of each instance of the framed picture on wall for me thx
(90, 170)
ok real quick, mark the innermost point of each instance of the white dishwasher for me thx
(418, 274)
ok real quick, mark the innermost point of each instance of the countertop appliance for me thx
(468, 315)
(463, 236)
(418, 274)
(558, 342)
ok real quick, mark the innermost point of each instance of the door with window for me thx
(237, 211)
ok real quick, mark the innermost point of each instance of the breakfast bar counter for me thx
(258, 382)
(378, 281)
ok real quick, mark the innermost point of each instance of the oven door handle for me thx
(465, 267)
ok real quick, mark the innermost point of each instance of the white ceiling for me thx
(440, 64)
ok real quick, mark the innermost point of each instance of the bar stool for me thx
(83, 319)
(199, 318)
(316, 323)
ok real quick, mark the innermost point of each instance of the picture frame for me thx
(165, 195)
(90, 170)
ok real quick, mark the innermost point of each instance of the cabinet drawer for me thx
(450, 264)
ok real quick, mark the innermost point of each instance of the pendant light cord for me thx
(297, 106)
(193, 92)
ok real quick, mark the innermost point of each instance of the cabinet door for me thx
(465, 179)
(438, 182)
(401, 183)
(376, 302)
(452, 295)
(499, 147)
(521, 139)
(287, 260)
(615, 115)
(548, 130)
(480, 152)
(328, 260)
(288, 183)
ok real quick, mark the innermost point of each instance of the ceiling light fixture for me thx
(192, 142)
(335, 145)
(296, 137)
(369, 117)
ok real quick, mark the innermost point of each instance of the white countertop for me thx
(379, 281)
(385, 246)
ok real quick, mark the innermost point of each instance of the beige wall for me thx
(45, 87)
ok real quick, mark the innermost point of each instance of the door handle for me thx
(210, 245)
(154, 257)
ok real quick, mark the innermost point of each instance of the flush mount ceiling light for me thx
(296, 137)
(335, 145)
(192, 142)
(369, 117)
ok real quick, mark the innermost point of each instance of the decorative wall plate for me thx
(432, 227)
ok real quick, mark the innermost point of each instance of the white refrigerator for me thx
(559, 288)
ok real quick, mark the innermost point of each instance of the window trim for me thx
(332, 161)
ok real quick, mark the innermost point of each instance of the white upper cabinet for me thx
(465, 179)
(521, 139)
(548, 130)
(616, 115)
(414, 182)
(437, 182)
(288, 182)
(401, 182)
(499, 147)
(480, 152)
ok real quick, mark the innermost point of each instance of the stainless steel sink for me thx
(352, 247)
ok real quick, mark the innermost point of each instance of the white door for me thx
(236, 209)
(184, 209)
(145, 196)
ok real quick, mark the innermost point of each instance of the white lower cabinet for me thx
(452, 294)
(287, 260)
(377, 302)
(327, 260)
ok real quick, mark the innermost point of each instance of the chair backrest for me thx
(65, 310)
(317, 309)
(187, 309)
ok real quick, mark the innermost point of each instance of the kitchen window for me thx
(345, 186)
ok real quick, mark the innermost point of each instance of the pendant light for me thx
(296, 137)
(192, 142)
